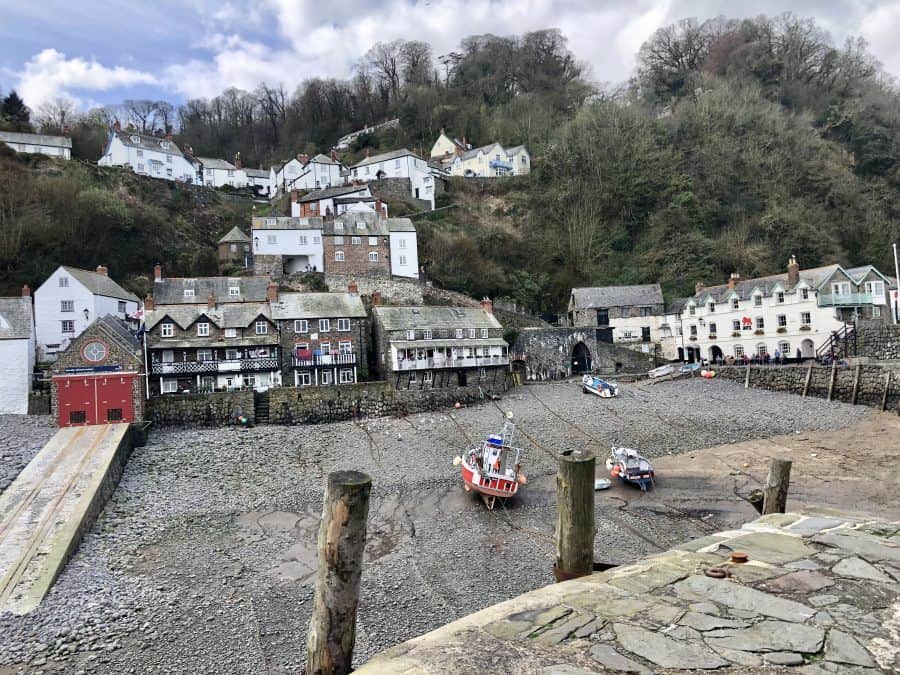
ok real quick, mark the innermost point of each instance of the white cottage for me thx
(71, 299)
(147, 155)
(398, 164)
(17, 353)
(218, 173)
(42, 144)
(305, 173)
(492, 160)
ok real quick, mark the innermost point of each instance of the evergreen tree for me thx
(14, 113)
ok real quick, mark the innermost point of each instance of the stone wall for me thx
(397, 189)
(394, 291)
(878, 340)
(200, 410)
(315, 405)
(869, 380)
(548, 353)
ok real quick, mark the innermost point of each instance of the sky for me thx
(103, 52)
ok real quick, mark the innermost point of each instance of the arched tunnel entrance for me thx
(581, 358)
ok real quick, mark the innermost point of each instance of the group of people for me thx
(760, 359)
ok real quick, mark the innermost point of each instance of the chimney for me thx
(352, 287)
(367, 153)
(26, 291)
(148, 302)
(295, 195)
(66, 131)
(272, 291)
(169, 136)
(188, 150)
(238, 164)
(103, 269)
(211, 301)
(487, 305)
(334, 155)
(303, 158)
(117, 126)
(793, 271)
(157, 272)
(376, 298)
(733, 279)
(698, 287)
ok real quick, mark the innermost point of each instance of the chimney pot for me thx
(102, 269)
(148, 302)
(26, 291)
(157, 272)
(272, 291)
(238, 164)
(353, 287)
(793, 270)
(698, 287)
(211, 301)
(376, 298)
(487, 305)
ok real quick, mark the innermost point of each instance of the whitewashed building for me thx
(404, 248)
(42, 144)
(305, 173)
(293, 244)
(71, 299)
(334, 201)
(219, 173)
(398, 164)
(490, 161)
(259, 179)
(344, 141)
(148, 156)
(17, 353)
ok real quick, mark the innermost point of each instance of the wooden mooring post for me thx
(855, 393)
(887, 385)
(342, 540)
(575, 526)
(807, 381)
(747, 377)
(776, 489)
(831, 381)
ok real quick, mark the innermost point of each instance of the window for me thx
(167, 330)
(262, 327)
(626, 334)
(168, 356)
(691, 310)
(230, 173)
(712, 329)
(373, 241)
(355, 241)
(168, 172)
(234, 291)
(805, 318)
(338, 241)
(249, 381)
(401, 260)
(345, 347)
(141, 168)
(428, 377)
(140, 153)
(327, 377)
(410, 335)
(401, 243)
(459, 333)
(64, 282)
(373, 256)
(325, 347)
(301, 326)
(189, 293)
(760, 323)
(343, 325)
(782, 321)
(232, 354)
(169, 386)
(779, 297)
(339, 256)
(482, 372)
(324, 325)
(272, 239)
(736, 325)
(842, 288)
(412, 377)
(164, 145)
(230, 332)
(168, 159)
(304, 379)
(338, 225)
(114, 415)
(739, 351)
(784, 348)
(66, 305)
(360, 224)
(122, 307)
(209, 173)
(484, 332)
(135, 139)
(626, 312)
(875, 288)
(735, 303)
(426, 334)
(204, 355)
(804, 294)
(203, 329)
(757, 300)
(876, 312)
(761, 349)
(471, 333)
(346, 375)
(303, 240)
(68, 326)
(712, 307)
(318, 240)
(646, 311)
(271, 221)
(693, 331)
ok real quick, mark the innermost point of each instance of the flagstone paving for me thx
(819, 594)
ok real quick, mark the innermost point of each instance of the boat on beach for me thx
(493, 468)
(596, 385)
(630, 467)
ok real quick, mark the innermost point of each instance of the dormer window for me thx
(735, 303)
(712, 307)
(135, 139)
(360, 224)
(779, 297)
(691, 310)
(757, 300)
(338, 225)
(189, 293)
(164, 145)
(234, 291)
(804, 294)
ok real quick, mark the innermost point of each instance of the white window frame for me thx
(64, 282)
(355, 241)
(345, 347)
(735, 303)
(66, 306)
(804, 294)
(261, 327)
(428, 377)
(373, 256)
(339, 256)
(327, 377)
(426, 334)
(373, 241)
(203, 329)
(401, 243)
(231, 332)
(167, 330)
(806, 318)
(402, 260)
(67, 326)
(839, 287)
(304, 379)
(757, 300)
(472, 333)
(324, 325)
(458, 333)
(189, 293)
(782, 320)
(271, 238)
(343, 325)
(779, 297)
(738, 351)
(411, 334)
(345, 376)
(234, 291)
(301, 326)
(760, 323)
(168, 386)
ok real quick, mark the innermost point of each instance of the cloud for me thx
(49, 74)
(880, 28)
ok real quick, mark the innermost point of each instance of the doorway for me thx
(581, 358)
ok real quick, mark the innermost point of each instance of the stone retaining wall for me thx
(869, 379)
(878, 340)
(395, 291)
(214, 409)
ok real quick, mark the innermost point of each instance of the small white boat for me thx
(662, 371)
(602, 484)
(627, 465)
(595, 385)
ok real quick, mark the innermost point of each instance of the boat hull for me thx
(488, 486)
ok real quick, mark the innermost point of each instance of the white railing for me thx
(464, 362)
(347, 359)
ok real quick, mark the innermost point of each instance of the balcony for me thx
(347, 359)
(845, 299)
(464, 362)
(500, 164)
(214, 366)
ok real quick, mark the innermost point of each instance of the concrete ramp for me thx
(46, 511)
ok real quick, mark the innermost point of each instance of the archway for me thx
(681, 354)
(581, 358)
(807, 349)
(715, 354)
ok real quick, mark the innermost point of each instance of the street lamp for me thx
(896, 281)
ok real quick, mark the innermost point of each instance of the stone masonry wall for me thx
(395, 291)
(397, 188)
(200, 410)
(870, 381)
(878, 340)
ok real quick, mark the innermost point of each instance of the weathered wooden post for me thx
(831, 381)
(776, 488)
(747, 377)
(887, 385)
(808, 378)
(855, 393)
(575, 527)
(342, 539)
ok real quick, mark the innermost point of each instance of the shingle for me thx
(147, 142)
(317, 306)
(325, 193)
(170, 291)
(385, 156)
(16, 318)
(234, 234)
(100, 284)
(406, 318)
(35, 139)
(617, 296)
(213, 163)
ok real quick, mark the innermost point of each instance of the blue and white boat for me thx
(630, 467)
(595, 385)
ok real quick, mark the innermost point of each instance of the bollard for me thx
(342, 540)
(776, 488)
(575, 527)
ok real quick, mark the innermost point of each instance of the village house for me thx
(305, 173)
(343, 143)
(491, 160)
(211, 334)
(333, 201)
(286, 245)
(435, 347)
(398, 164)
(445, 147)
(629, 316)
(259, 180)
(234, 250)
(219, 173)
(361, 242)
(42, 144)
(17, 353)
(793, 313)
(70, 300)
(148, 155)
(324, 338)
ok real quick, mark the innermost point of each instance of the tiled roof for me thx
(100, 284)
(405, 318)
(385, 156)
(400, 225)
(170, 291)
(287, 223)
(135, 139)
(325, 193)
(16, 318)
(317, 306)
(618, 296)
(813, 277)
(239, 315)
(35, 139)
(234, 234)
(257, 173)
(116, 330)
(213, 163)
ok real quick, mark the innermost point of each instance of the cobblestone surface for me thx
(202, 560)
(21, 437)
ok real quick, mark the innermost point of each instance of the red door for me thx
(94, 399)
(114, 399)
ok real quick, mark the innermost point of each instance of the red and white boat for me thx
(493, 469)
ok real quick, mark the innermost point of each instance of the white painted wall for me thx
(408, 166)
(404, 254)
(220, 177)
(290, 243)
(49, 150)
(16, 365)
(147, 162)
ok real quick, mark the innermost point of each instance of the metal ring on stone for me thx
(716, 573)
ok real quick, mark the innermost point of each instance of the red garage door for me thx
(95, 399)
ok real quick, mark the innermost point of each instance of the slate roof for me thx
(813, 278)
(325, 193)
(405, 318)
(469, 154)
(213, 163)
(400, 225)
(516, 150)
(236, 315)
(235, 234)
(115, 329)
(100, 284)
(374, 226)
(35, 139)
(257, 173)
(324, 159)
(317, 306)
(147, 142)
(287, 223)
(385, 156)
(617, 296)
(16, 318)
(170, 291)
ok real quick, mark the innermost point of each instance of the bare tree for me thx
(54, 116)
(142, 113)
(385, 61)
(415, 63)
